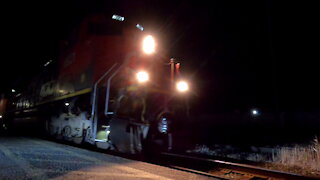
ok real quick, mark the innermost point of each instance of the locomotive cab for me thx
(133, 100)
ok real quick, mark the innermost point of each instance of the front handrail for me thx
(130, 55)
(95, 89)
(108, 90)
(94, 101)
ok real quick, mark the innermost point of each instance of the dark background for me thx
(238, 55)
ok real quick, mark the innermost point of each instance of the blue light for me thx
(164, 125)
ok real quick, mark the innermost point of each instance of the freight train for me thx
(111, 87)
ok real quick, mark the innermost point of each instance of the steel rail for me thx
(237, 166)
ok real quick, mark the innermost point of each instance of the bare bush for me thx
(304, 157)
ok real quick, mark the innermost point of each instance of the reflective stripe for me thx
(84, 91)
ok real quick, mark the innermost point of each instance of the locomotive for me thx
(111, 87)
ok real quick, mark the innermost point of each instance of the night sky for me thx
(238, 54)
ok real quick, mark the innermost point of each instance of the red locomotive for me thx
(111, 87)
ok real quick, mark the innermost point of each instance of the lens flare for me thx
(182, 86)
(142, 76)
(148, 45)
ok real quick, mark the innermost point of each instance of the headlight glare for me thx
(148, 45)
(182, 86)
(142, 76)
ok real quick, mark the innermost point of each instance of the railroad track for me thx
(224, 170)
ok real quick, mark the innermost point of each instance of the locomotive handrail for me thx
(94, 120)
(94, 101)
(125, 62)
(95, 88)
(108, 90)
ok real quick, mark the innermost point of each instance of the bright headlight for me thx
(182, 86)
(148, 45)
(142, 76)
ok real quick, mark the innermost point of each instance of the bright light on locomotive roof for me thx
(142, 76)
(117, 17)
(66, 104)
(182, 86)
(139, 27)
(148, 45)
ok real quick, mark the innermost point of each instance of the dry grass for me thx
(299, 159)
(306, 158)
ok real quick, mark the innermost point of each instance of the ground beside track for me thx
(31, 158)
